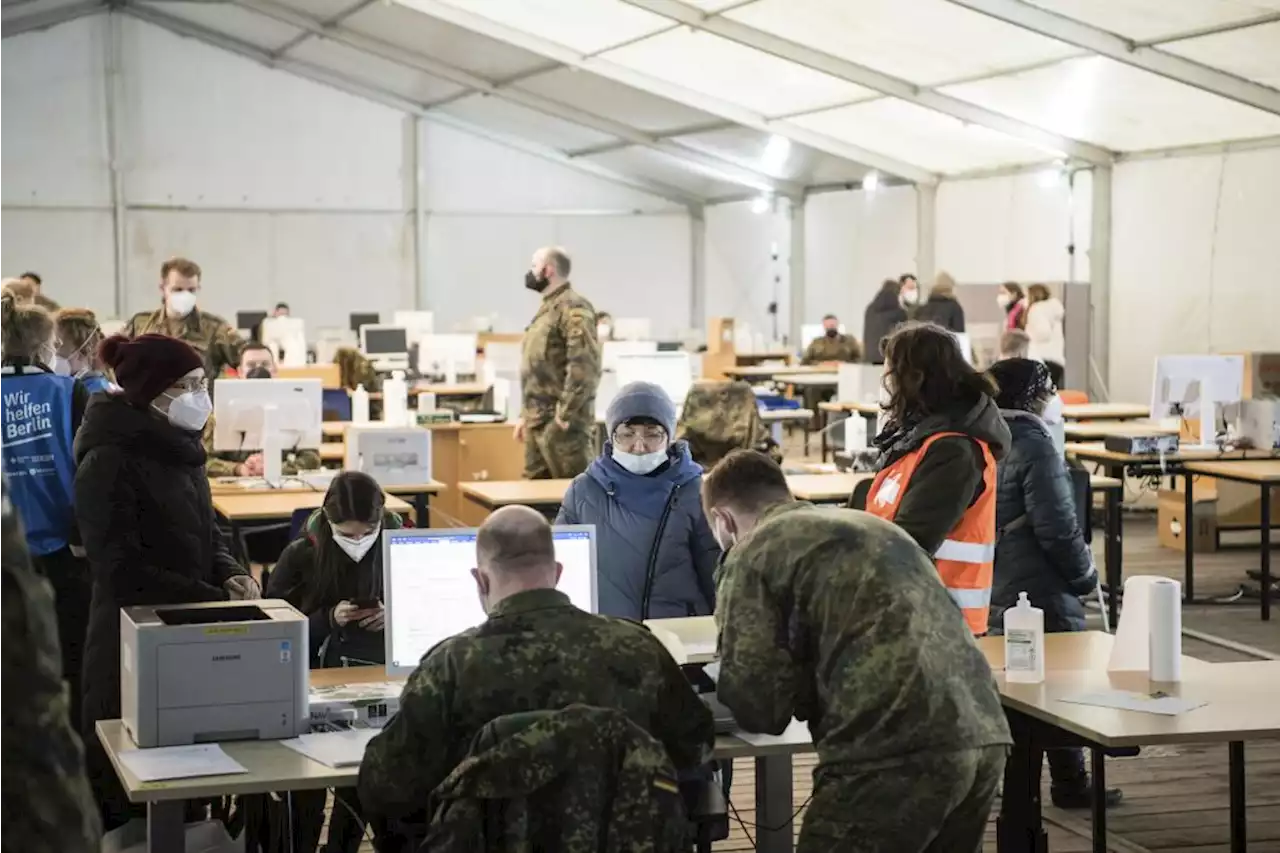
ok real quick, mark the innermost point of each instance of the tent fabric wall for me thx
(1195, 268)
(747, 265)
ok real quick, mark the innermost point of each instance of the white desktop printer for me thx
(227, 670)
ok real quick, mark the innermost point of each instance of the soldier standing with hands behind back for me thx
(559, 373)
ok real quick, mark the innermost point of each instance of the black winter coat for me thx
(1046, 556)
(147, 520)
(883, 315)
(943, 310)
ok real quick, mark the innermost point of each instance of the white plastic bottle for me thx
(359, 405)
(1024, 643)
(395, 400)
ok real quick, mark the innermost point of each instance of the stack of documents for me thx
(179, 762)
(335, 749)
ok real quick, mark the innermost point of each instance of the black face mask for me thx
(831, 333)
(258, 372)
(536, 283)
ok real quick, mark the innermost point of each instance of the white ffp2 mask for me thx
(640, 463)
(190, 410)
(182, 302)
(356, 547)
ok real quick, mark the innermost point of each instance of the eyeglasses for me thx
(192, 383)
(652, 438)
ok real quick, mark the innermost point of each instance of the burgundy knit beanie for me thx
(148, 364)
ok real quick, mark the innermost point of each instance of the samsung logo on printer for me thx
(216, 658)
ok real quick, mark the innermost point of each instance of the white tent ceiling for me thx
(711, 99)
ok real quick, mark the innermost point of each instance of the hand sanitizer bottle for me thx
(1024, 643)
(360, 405)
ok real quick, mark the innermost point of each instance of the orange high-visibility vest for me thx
(967, 556)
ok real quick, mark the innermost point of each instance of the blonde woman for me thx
(1045, 315)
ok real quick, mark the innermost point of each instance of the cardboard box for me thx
(1170, 521)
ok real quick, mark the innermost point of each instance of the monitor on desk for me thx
(365, 319)
(287, 338)
(632, 329)
(386, 346)
(442, 355)
(248, 412)
(248, 321)
(672, 371)
(1189, 387)
(611, 351)
(430, 595)
(419, 324)
(810, 332)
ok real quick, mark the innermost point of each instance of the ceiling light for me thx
(871, 181)
(1051, 177)
(776, 152)
(760, 204)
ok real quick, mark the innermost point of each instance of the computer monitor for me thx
(1191, 386)
(386, 346)
(429, 593)
(367, 319)
(287, 337)
(611, 351)
(440, 354)
(246, 410)
(247, 321)
(418, 324)
(632, 329)
(672, 371)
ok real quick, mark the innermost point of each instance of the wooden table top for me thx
(824, 487)
(1095, 430)
(785, 371)
(850, 406)
(337, 429)
(770, 416)
(1106, 411)
(1248, 470)
(1096, 452)
(279, 504)
(499, 493)
(814, 380)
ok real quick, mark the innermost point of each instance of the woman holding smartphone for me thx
(333, 574)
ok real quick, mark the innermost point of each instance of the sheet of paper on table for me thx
(179, 762)
(336, 749)
(795, 731)
(1127, 701)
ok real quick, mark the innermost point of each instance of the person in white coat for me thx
(1044, 327)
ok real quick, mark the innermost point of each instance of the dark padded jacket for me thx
(1044, 554)
(582, 778)
(628, 511)
(149, 530)
(883, 315)
(948, 479)
(943, 310)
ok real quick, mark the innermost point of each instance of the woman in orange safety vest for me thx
(937, 469)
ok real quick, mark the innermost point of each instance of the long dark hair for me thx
(925, 374)
(352, 496)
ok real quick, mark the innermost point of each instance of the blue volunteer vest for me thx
(93, 381)
(37, 455)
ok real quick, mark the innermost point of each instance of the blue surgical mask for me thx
(640, 463)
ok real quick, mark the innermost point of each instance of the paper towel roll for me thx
(1131, 650)
(1165, 631)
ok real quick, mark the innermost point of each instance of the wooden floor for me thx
(1175, 797)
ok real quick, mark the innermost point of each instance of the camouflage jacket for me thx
(837, 617)
(535, 652)
(560, 361)
(720, 416)
(354, 369)
(565, 779)
(211, 336)
(840, 348)
(48, 805)
(223, 463)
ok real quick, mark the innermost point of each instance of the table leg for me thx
(1019, 827)
(166, 829)
(870, 418)
(774, 806)
(422, 509)
(1239, 826)
(1265, 507)
(824, 421)
(1189, 542)
(1099, 761)
(1115, 554)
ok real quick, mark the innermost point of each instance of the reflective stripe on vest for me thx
(37, 455)
(965, 559)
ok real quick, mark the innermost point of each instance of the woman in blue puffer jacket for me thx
(643, 494)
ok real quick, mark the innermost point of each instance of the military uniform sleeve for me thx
(683, 722)
(47, 799)
(759, 678)
(224, 348)
(303, 460)
(410, 757)
(810, 354)
(215, 464)
(582, 364)
(130, 329)
(855, 350)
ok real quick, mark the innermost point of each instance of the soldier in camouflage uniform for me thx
(256, 362)
(832, 346)
(559, 374)
(719, 416)
(48, 805)
(838, 618)
(354, 369)
(178, 317)
(535, 652)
